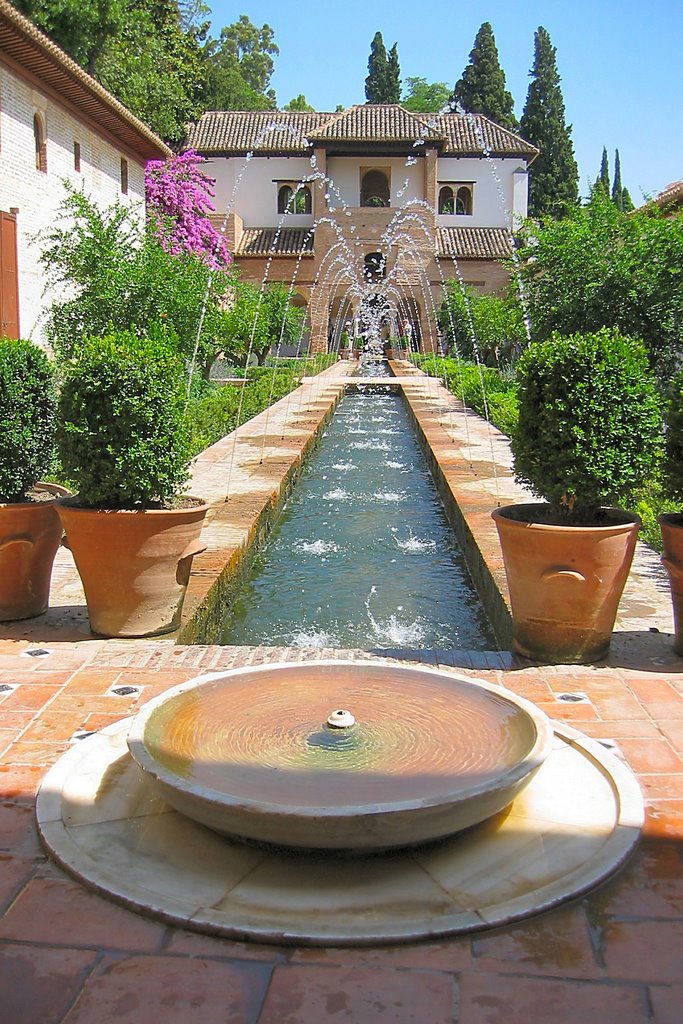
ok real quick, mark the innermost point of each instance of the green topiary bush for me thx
(27, 417)
(673, 454)
(121, 430)
(590, 427)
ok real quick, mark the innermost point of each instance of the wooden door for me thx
(9, 281)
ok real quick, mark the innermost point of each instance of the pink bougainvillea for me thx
(179, 197)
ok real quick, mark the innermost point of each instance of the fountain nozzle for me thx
(341, 719)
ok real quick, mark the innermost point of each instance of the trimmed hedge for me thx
(121, 430)
(27, 417)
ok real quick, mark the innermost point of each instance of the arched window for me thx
(284, 198)
(41, 146)
(446, 200)
(292, 198)
(375, 266)
(374, 189)
(302, 200)
(463, 200)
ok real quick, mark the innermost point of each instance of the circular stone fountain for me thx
(271, 753)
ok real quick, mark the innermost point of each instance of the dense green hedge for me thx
(490, 392)
(27, 417)
(226, 406)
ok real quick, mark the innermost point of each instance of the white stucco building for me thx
(374, 205)
(56, 124)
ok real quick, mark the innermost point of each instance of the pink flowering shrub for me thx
(178, 201)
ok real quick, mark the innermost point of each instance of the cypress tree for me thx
(375, 83)
(602, 179)
(481, 90)
(617, 187)
(626, 202)
(393, 82)
(553, 176)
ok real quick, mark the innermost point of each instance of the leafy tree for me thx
(178, 200)
(422, 96)
(239, 66)
(483, 327)
(481, 90)
(144, 51)
(375, 83)
(113, 273)
(299, 103)
(393, 77)
(553, 176)
(598, 267)
(258, 321)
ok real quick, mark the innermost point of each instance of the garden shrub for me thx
(590, 429)
(485, 389)
(673, 459)
(121, 433)
(27, 417)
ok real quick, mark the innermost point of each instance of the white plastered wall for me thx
(36, 196)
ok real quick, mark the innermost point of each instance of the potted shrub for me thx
(671, 523)
(589, 433)
(30, 530)
(122, 438)
(344, 343)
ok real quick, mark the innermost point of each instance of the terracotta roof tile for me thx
(377, 123)
(241, 131)
(474, 243)
(672, 195)
(29, 47)
(270, 131)
(270, 242)
(474, 134)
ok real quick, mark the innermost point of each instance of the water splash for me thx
(319, 547)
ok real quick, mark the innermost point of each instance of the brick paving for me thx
(68, 956)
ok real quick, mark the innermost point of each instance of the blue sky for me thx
(620, 64)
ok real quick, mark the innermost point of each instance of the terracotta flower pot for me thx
(134, 566)
(30, 532)
(671, 525)
(565, 582)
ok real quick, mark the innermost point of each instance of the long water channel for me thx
(362, 555)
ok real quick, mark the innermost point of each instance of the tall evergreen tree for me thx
(602, 179)
(553, 176)
(481, 90)
(393, 80)
(375, 83)
(617, 187)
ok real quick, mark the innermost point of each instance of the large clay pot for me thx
(565, 582)
(134, 566)
(671, 525)
(30, 532)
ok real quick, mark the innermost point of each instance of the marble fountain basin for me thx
(250, 754)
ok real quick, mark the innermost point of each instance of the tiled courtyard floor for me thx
(68, 956)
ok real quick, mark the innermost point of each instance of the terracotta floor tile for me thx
(555, 944)
(496, 999)
(18, 833)
(651, 885)
(619, 707)
(64, 912)
(651, 687)
(171, 990)
(663, 785)
(38, 985)
(31, 696)
(213, 947)
(91, 681)
(664, 819)
(14, 873)
(665, 711)
(36, 753)
(308, 994)
(651, 756)
(667, 1003)
(673, 730)
(638, 728)
(450, 955)
(648, 950)
(52, 726)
